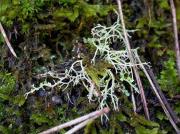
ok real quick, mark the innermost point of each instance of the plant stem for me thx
(172, 113)
(7, 41)
(143, 98)
(160, 98)
(79, 126)
(175, 31)
(75, 121)
(167, 112)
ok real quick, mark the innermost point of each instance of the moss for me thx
(41, 29)
(7, 84)
(90, 128)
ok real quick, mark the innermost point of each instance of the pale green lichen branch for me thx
(104, 91)
(74, 75)
(108, 85)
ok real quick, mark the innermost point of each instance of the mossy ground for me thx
(43, 34)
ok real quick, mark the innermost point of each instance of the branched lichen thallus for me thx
(109, 82)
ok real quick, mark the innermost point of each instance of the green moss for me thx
(7, 83)
(169, 80)
(55, 24)
(90, 128)
(97, 71)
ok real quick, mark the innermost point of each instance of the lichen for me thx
(102, 83)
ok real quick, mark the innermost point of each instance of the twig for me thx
(159, 98)
(176, 96)
(133, 100)
(143, 98)
(173, 114)
(81, 125)
(75, 121)
(7, 41)
(173, 11)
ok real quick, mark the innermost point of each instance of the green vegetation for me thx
(169, 83)
(50, 35)
(7, 83)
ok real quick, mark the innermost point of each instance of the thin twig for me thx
(143, 98)
(173, 114)
(81, 125)
(159, 98)
(7, 41)
(176, 43)
(76, 121)
(133, 100)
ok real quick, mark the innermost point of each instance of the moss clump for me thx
(7, 83)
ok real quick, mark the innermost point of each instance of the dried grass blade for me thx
(7, 41)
